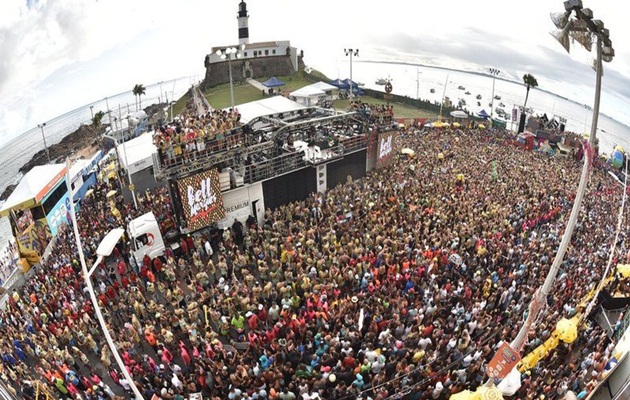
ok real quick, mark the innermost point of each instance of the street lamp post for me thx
(418, 83)
(92, 112)
(443, 96)
(41, 126)
(227, 54)
(582, 29)
(494, 72)
(351, 53)
(131, 186)
(104, 249)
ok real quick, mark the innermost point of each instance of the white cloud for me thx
(60, 54)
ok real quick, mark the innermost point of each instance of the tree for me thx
(530, 82)
(138, 91)
(96, 120)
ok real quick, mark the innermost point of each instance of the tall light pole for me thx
(92, 112)
(443, 96)
(227, 54)
(41, 126)
(582, 29)
(418, 83)
(494, 72)
(351, 53)
(131, 186)
(104, 249)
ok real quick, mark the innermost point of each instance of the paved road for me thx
(201, 103)
(256, 84)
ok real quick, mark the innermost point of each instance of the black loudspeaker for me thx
(561, 127)
(521, 123)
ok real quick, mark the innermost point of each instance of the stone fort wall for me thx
(258, 67)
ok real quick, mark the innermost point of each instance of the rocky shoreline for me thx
(83, 137)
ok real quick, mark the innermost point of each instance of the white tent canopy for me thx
(139, 153)
(34, 186)
(268, 106)
(323, 86)
(307, 91)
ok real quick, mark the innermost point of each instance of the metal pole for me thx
(41, 126)
(541, 294)
(351, 91)
(133, 192)
(229, 57)
(92, 111)
(598, 90)
(418, 83)
(443, 94)
(90, 288)
(131, 186)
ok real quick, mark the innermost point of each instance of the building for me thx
(253, 60)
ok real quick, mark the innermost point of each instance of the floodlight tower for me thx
(584, 30)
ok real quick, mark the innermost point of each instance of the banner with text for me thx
(236, 204)
(201, 199)
(385, 151)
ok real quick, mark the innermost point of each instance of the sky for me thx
(58, 55)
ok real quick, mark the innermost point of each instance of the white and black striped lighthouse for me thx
(243, 29)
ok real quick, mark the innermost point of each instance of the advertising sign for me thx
(385, 150)
(237, 206)
(201, 199)
(504, 360)
(33, 241)
(59, 214)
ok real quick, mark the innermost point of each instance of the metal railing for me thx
(262, 168)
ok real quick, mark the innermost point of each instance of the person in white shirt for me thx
(208, 248)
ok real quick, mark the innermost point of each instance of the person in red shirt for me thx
(146, 261)
(157, 265)
(122, 268)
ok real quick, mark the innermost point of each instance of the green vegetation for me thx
(219, 96)
(180, 104)
(138, 91)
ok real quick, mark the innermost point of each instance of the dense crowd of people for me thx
(192, 136)
(397, 285)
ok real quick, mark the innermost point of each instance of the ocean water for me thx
(417, 81)
(19, 151)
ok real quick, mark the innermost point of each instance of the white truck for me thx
(146, 238)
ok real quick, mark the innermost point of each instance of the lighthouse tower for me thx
(243, 29)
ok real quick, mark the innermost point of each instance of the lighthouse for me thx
(243, 29)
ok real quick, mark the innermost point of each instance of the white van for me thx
(146, 238)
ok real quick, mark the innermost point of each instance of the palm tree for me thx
(530, 82)
(96, 121)
(139, 90)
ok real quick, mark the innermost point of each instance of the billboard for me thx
(201, 199)
(504, 360)
(59, 214)
(385, 148)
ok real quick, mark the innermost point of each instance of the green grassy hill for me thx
(219, 96)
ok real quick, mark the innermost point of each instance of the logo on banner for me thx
(201, 199)
(386, 147)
